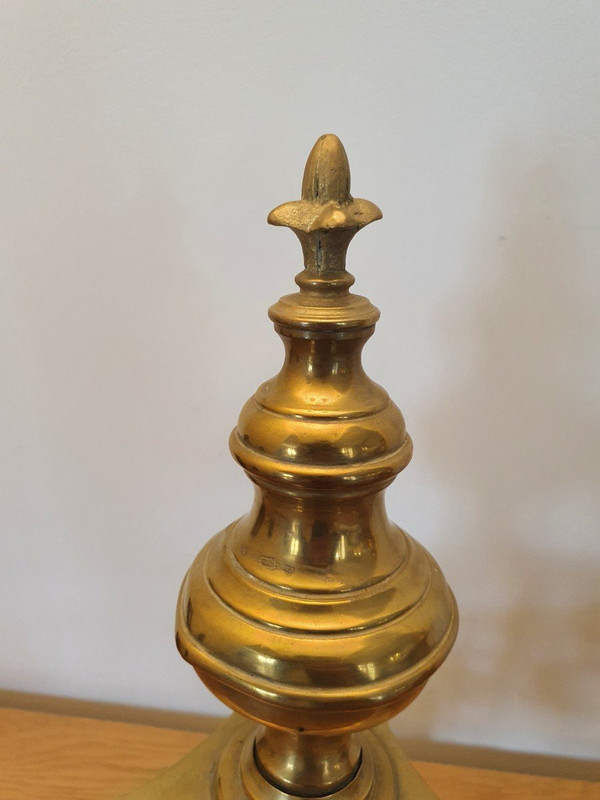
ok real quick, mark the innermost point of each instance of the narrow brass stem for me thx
(307, 765)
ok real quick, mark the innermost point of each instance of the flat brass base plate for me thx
(214, 771)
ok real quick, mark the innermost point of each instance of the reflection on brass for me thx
(314, 616)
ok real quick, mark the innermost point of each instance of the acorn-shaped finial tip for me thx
(327, 216)
(327, 172)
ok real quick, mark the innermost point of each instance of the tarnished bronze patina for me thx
(314, 616)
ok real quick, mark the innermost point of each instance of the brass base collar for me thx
(223, 768)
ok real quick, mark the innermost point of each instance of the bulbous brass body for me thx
(314, 615)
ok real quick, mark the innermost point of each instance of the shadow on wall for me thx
(515, 441)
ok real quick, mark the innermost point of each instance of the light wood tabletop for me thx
(60, 757)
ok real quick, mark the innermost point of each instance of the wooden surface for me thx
(55, 757)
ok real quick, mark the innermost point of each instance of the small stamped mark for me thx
(269, 562)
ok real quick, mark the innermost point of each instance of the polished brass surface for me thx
(217, 770)
(314, 615)
(321, 764)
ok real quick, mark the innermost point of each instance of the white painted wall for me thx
(142, 145)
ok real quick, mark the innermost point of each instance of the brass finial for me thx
(314, 616)
(327, 217)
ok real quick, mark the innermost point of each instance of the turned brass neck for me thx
(305, 764)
